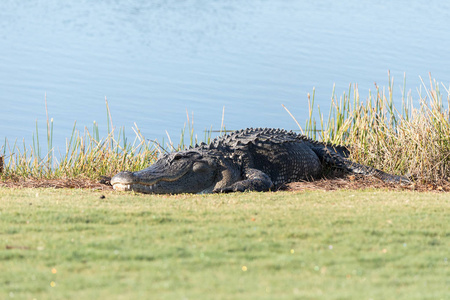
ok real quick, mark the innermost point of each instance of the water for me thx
(155, 60)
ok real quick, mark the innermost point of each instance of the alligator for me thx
(260, 159)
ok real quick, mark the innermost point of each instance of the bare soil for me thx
(56, 183)
(351, 182)
(333, 182)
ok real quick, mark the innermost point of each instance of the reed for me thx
(412, 138)
(86, 154)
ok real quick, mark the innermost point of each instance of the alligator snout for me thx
(123, 181)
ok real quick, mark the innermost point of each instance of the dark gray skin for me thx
(180, 172)
(246, 160)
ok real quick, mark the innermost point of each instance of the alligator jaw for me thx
(132, 187)
(122, 187)
(128, 181)
(123, 181)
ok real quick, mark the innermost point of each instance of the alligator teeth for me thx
(122, 187)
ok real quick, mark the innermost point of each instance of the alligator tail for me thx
(335, 159)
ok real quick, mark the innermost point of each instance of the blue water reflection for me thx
(154, 60)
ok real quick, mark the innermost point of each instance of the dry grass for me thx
(412, 139)
(72, 183)
(86, 157)
(337, 180)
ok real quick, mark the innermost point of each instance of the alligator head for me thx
(180, 172)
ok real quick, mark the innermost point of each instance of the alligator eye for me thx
(177, 156)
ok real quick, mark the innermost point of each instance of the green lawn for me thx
(72, 244)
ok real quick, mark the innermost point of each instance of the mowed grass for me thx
(75, 244)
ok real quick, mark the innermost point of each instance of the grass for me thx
(72, 244)
(86, 154)
(411, 139)
(75, 244)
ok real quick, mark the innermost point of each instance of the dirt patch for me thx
(56, 183)
(331, 183)
(351, 182)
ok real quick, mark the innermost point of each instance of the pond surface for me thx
(155, 60)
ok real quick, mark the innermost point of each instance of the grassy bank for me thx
(87, 154)
(73, 244)
(411, 137)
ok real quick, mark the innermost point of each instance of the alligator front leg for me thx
(255, 180)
